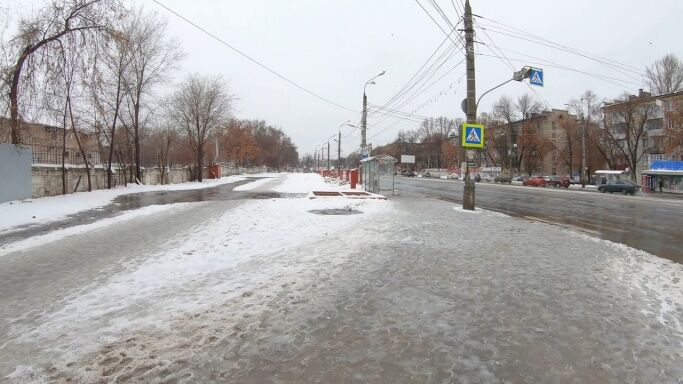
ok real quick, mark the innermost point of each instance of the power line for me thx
(611, 80)
(624, 66)
(619, 68)
(437, 24)
(419, 72)
(253, 59)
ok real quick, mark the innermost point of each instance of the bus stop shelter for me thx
(377, 173)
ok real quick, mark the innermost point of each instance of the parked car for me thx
(502, 179)
(623, 186)
(535, 181)
(477, 178)
(559, 182)
(519, 178)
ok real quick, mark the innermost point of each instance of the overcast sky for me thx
(334, 47)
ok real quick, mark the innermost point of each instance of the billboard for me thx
(407, 159)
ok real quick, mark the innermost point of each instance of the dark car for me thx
(502, 179)
(557, 182)
(623, 186)
(477, 178)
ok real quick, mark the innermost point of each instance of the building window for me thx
(554, 126)
(553, 135)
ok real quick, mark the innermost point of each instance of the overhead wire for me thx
(513, 29)
(255, 61)
(540, 41)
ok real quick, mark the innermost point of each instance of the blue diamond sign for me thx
(473, 136)
(536, 77)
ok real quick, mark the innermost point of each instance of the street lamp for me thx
(364, 116)
(346, 123)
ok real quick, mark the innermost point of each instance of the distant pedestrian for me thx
(661, 185)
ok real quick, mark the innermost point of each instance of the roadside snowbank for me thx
(306, 182)
(46, 209)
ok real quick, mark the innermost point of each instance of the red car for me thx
(557, 181)
(535, 181)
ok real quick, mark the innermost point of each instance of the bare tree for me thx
(587, 111)
(624, 129)
(39, 33)
(153, 58)
(526, 106)
(665, 75)
(107, 87)
(199, 106)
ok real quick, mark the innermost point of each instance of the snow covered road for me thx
(407, 290)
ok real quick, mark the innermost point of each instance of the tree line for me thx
(99, 68)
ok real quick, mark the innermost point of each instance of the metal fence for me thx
(48, 154)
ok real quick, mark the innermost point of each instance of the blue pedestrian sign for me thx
(536, 77)
(473, 136)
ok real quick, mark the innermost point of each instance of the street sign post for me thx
(536, 77)
(472, 135)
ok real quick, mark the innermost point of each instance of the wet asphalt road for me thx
(134, 201)
(653, 225)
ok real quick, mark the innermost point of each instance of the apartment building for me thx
(643, 126)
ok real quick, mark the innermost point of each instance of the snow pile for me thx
(306, 182)
(46, 209)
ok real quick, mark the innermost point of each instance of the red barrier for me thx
(214, 171)
(354, 178)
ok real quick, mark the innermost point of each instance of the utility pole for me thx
(364, 121)
(364, 115)
(339, 155)
(583, 145)
(468, 192)
(328, 155)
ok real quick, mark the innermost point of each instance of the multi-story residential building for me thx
(642, 126)
(540, 140)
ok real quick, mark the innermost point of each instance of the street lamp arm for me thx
(371, 80)
(492, 89)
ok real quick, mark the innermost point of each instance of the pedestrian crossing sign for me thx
(536, 77)
(472, 136)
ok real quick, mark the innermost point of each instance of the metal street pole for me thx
(339, 148)
(468, 192)
(583, 145)
(364, 115)
(328, 154)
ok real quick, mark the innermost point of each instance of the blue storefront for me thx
(669, 172)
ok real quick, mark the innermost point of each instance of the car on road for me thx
(535, 181)
(557, 182)
(622, 186)
(519, 178)
(502, 179)
(477, 178)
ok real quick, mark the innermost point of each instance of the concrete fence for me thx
(47, 179)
